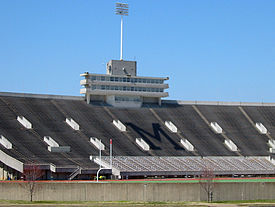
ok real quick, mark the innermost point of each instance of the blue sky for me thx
(212, 50)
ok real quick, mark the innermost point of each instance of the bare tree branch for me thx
(207, 182)
(31, 173)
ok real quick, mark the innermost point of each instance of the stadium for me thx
(122, 129)
(69, 137)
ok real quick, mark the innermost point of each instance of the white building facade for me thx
(121, 87)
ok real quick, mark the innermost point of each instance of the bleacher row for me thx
(192, 165)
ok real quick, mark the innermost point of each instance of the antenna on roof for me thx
(122, 10)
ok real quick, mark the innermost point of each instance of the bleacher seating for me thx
(166, 153)
(193, 165)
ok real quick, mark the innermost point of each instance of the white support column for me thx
(1, 173)
(5, 173)
(159, 101)
(88, 98)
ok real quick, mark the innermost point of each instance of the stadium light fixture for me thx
(122, 10)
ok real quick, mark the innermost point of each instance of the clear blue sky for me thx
(212, 50)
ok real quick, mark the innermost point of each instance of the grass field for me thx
(148, 204)
(177, 180)
(194, 180)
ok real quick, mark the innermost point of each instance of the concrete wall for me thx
(85, 191)
(244, 191)
(43, 96)
(217, 103)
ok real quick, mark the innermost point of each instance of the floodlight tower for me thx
(122, 10)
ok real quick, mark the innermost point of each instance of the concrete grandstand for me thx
(175, 139)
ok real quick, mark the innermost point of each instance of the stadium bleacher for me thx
(169, 165)
(167, 156)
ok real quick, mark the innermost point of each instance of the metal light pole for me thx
(99, 162)
(121, 9)
(111, 151)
